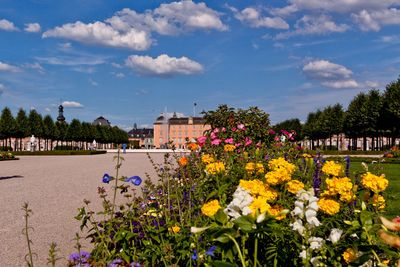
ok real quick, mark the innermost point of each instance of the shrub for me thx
(6, 148)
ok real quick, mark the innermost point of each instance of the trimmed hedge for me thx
(6, 148)
(60, 152)
(368, 160)
(345, 152)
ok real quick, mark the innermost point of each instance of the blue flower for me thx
(194, 256)
(136, 180)
(210, 251)
(106, 178)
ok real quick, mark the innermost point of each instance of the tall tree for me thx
(391, 104)
(22, 126)
(291, 125)
(60, 132)
(48, 131)
(7, 126)
(36, 128)
(74, 131)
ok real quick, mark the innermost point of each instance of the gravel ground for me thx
(54, 186)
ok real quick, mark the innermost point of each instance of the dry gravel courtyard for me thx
(54, 186)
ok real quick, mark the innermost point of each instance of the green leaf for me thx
(245, 223)
(221, 217)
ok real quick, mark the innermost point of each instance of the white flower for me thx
(313, 206)
(298, 226)
(315, 261)
(196, 230)
(261, 217)
(312, 199)
(246, 211)
(313, 222)
(303, 254)
(310, 213)
(335, 235)
(298, 212)
(232, 213)
(315, 242)
(299, 204)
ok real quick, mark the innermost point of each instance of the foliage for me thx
(7, 156)
(233, 201)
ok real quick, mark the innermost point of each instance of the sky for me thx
(131, 60)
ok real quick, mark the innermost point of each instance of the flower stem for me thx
(116, 182)
(255, 252)
(238, 248)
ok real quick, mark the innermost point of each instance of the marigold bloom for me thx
(379, 202)
(183, 161)
(207, 159)
(349, 255)
(347, 197)
(276, 212)
(332, 168)
(252, 167)
(258, 188)
(305, 155)
(210, 208)
(278, 176)
(259, 205)
(214, 168)
(193, 146)
(175, 229)
(229, 148)
(294, 186)
(341, 186)
(373, 182)
(328, 206)
(281, 163)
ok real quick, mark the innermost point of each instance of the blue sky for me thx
(130, 60)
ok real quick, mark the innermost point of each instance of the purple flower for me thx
(136, 180)
(210, 251)
(106, 178)
(347, 166)
(135, 264)
(194, 256)
(115, 263)
(78, 259)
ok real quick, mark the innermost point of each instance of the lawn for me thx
(392, 172)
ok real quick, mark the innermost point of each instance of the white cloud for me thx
(374, 20)
(34, 66)
(87, 59)
(372, 84)
(254, 18)
(92, 82)
(119, 75)
(132, 30)
(7, 25)
(314, 25)
(341, 84)
(284, 11)
(163, 65)
(65, 46)
(99, 33)
(390, 39)
(343, 6)
(88, 70)
(2, 88)
(32, 27)
(9, 68)
(116, 65)
(47, 109)
(330, 74)
(71, 104)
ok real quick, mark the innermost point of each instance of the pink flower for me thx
(234, 129)
(285, 132)
(396, 219)
(238, 144)
(223, 129)
(201, 140)
(271, 132)
(229, 140)
(241, 126)
(216, 130)
(213, 136)
(247, 141)
(216, 142)
(277, 138)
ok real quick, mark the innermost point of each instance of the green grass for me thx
(59, 152)
(346, 152)
(392, 173)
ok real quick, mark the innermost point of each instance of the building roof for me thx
(101, 121)
(145, 132)
(186, 120)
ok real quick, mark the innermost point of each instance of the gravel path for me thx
(54, 186)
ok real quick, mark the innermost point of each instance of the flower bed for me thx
(7, 156)
(241, 198)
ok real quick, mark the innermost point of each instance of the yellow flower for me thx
(281, 163)
(175, 229)
(229, 148)
(332, 168)
(379, 202)
(276, 211)
(183, 161)
(349, 255)
(347, 197)
(214, 168)
(305, 155)
(294, 186)
(373, 182)
(258, 188)
(254, 167)
(278, 176)
(210, 208)
(207, 158)
(259, 205)
(328, 206)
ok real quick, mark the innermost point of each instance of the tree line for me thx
(47, 131)
(370, 115)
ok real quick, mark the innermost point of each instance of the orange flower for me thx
(183, 161)
(193, 146)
